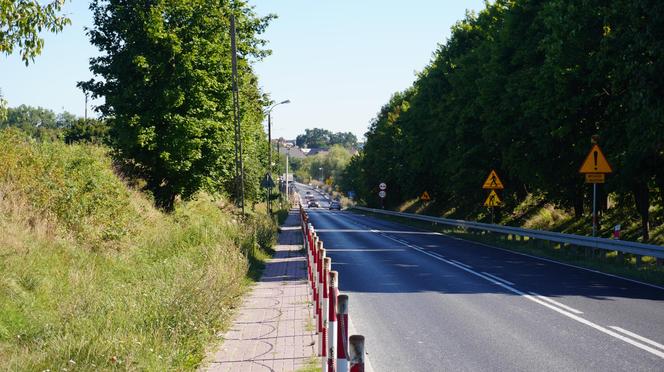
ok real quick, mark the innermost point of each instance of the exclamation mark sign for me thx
(595, 156)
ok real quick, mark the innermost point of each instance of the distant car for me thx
(335, 205)
(313, 204)
(308, 192)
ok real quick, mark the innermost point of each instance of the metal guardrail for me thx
(578, 240)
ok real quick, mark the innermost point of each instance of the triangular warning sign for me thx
(492, 200)
(595, 162)
(425, 196)
(493, 182)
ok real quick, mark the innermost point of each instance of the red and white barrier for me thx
(332, 322)
(356, 353)
(342, 333)
(339, 352)
(319, 289)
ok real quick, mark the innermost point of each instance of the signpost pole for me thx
(594, 209)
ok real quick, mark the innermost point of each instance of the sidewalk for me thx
(270, 331)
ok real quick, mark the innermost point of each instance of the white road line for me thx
(546, 304)
(497, 278)
(536, 257)
(640, 338)
(437, 254)
(462, 264)
(570, 309)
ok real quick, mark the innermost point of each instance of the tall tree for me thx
(21, 21)
(166, 78)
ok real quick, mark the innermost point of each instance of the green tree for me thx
(3, 109)
(165, 75)
(316, 137)
(21, 21)
(91, 131)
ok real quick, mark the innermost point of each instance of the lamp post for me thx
(321, 174)
(269, 156)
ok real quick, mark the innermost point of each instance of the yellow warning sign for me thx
(595, 162)
(492, 200)
(425, 196)
(493, 182)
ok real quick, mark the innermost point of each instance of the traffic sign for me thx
(595, 162)
(267, 181)
(492, 200)
(382, 186)
(595, 177)
(425, 196)
(382, 194)
(493, 182)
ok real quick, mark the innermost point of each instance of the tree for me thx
(319, 137)
(21, 21)
(316, 137)
(165, 75)
(3, 109)
(91, 131)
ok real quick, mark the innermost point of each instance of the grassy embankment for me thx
(534, 214)
(93, 277)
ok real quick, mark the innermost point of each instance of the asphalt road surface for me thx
(429, 302)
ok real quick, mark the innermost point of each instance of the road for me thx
(430, 302)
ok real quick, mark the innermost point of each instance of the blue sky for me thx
(337, 61)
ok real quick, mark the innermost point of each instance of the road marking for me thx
(437, 254)
(527, 255)
(543, 303)
(640, 338)
(497, 278)
(570, 309)
(462, 264)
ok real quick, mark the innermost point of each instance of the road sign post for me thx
(595, 167)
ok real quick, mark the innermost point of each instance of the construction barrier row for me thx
(339, 351)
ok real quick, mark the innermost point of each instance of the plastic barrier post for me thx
(332, 322)
(327, 264)
(356, 353)
(319, 290)
(342, 333)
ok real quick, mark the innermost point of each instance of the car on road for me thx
(335, 205)
(313, 204)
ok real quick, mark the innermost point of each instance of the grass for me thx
(313, 365)
(94, 278)
(625, 265)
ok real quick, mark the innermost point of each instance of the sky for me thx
(338, 62)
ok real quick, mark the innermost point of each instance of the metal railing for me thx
(640, 249)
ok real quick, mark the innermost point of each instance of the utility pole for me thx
(239, 164)
(269, 148)
(287, 195)
(86, 105)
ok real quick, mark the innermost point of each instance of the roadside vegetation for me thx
(121, 244)
(94, 277)
(525, 88)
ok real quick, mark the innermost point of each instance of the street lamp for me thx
(321, 174)
(269, 156)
